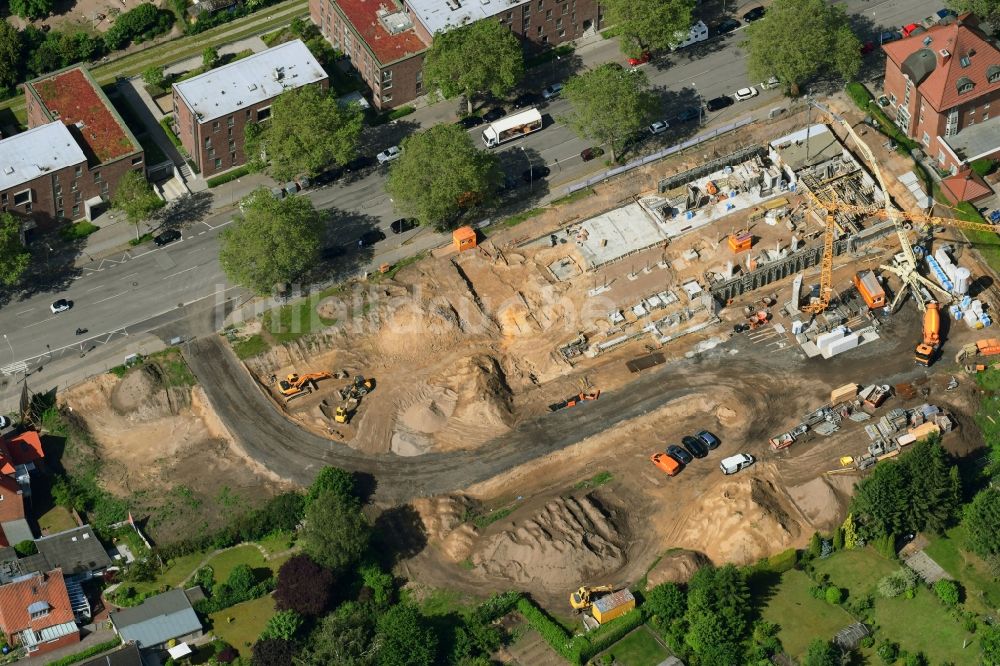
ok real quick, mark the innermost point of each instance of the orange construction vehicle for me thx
(740, 241)
(979, 350)
(927, 349)
(870, 289)
(295, 385)
(575, 400)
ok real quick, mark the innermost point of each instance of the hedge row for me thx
(228, 177)
(169, 131)
(402, 111)
(606, 635)
(551, 631)
(496, 607)
(89, 652)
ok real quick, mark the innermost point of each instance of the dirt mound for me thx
(741, 522)
(675, 567)
(443, 522)
(569, 540)
(819, 503)
(141, 390)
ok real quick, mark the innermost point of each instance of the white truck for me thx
(697, 33)
(511, 127)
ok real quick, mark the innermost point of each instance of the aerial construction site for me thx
(692, 362)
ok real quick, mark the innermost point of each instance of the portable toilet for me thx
(464, 238)
(613, 605)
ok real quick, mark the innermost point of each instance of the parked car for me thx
(389, 154)
(945, 13)
(719, 103)
(168, 236)
(754, 14)
(679, 454)
(469, 122)
(726, 26)
(666, 464)
(496, 113)
(733, 464)
(912, 29)
(4, 422)
(744, 94)
(689, 114)
(771, 83)
(867, 47)
(890, 36)
(588, 154)
(551, 92)
(404, 224)
(60, 305)
(659, 127)
(711, 440)
(369, 238)
(525, 100)
(535, 173)
(641, 60)
(694, 446)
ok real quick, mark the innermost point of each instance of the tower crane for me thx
(906, 266)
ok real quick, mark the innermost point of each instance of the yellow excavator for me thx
(295, 385)
(580, 600)
(351, 395)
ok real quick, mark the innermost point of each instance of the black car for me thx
(754, 14)
(689, 114)
(496, 113)
(695, 446)
(726, 26)
(369, 238)
(709, 438)
(679, 454)
(168, 236)
(588, 154)
(719, 103)
(535, 173)
(525, 100)
(403, 224)
(469, 122)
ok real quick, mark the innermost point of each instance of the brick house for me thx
(212, 110)
(35, 612)
(386, 40)
(73, 98)
(941, 84)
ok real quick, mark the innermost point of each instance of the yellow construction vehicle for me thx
(580, 600)
(295, 385)
(346, 411)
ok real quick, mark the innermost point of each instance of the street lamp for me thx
(11, 347)
(531, 170)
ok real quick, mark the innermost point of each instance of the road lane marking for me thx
(110, 297)
(25, 311)
(39, 322)
(202, 233)
(96, 288)
(179, 272)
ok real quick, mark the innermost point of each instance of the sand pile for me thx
(569, 540)
(675, 567)
(141, 396)
(443, 522)
(819, 503)
(417, 423)
(741, 522)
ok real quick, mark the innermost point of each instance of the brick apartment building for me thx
(941, 85)
(67, 165)
(387, 41)
(212, 110)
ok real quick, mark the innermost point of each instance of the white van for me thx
(733, 464)
(697, 33)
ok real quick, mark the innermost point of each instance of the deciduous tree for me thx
(31, 9)
(14, 258)
(406, 638)
(336, 480)
(271, 241)
(441, 172)
(284, 625)
(667, 601)
(308, 132)
(154, 76)
(989, 643)
(345, 637)
(822, 653)
(135, 197)
(799, 39)
(272, 652)
(648, 24)
(610, 104)
(336, 533)
(718, 604)
(982, 523)
(10, 56)
(209, 57)
(481, 57)
(303, 586)
(987, 10)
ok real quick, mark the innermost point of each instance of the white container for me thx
(976, 306)
(971, 318)
(839, 346)
(942, 256)
(962, 279)
(826, 338)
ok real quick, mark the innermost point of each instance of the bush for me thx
(549, 629)
(859, 93)
(169, 131)
(496, 607)
(240, 586)
(834, 595)
(838, 539)
(948, 592)
(25, 548)
(815, 545)
(78, 230)
(228, 177)
(89, 652)
(136, 25)
(898, 582)
(983, 167)
(783, 561)
(401, 112)
(887, 651)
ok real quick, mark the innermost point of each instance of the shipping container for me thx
(870, 289)
(613, 605)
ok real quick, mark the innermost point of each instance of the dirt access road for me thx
(297, 455)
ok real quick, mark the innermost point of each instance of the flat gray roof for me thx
(157, 619)
(42, 150)
(250, 81)
(443, 15)
(617, 233)
(975, 141)
(808, 146)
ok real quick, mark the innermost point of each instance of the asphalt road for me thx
(148, 285)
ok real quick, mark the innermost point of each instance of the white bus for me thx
(511, 127)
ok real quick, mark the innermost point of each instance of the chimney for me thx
(945, 54)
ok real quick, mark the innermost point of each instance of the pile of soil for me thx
(569, 540)
(675, 567)
(141, 396)
(820, 503)
(443, 518)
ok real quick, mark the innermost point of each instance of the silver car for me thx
(659, 127)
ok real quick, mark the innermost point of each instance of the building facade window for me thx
(903, 118)
(76, 212)
(97, 176)
(926, 140)
(951, 124)
(218, 163)
(22, 198)
(231, 121)
(263, 114)
(136, 160)
(78, 171)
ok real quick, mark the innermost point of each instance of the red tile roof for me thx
(960, 39)
(20, 450)
(11, 504)
(966, 186)
(72, 97)
(362, 14)
(48, 588)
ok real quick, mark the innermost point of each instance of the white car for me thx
(389, 154)
(60, 306)
(658, 127)
(551, 92)
(4, 422)
(745, 93)
(772, 82)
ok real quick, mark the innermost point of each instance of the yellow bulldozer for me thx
(581, 599)
(295, 385)
(351, 395)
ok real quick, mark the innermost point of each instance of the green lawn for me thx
(247, 621)
(923, 625)
(800, 616)
(277, 543)
(223, 563)
(639, 648)
(56, 519)
(982, 589)
(288, 323)
(177, 571)
(857, 570)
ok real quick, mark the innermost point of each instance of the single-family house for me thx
(78, 551)
(158, 620)
(35, 611)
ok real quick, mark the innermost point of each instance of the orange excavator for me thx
(295, 385)
(927, 349)
(978, 350)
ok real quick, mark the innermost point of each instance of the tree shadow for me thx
(399, 534)
(377, 138)
(345, 245)
(763, 585)
(190, 208)
(52, 267)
